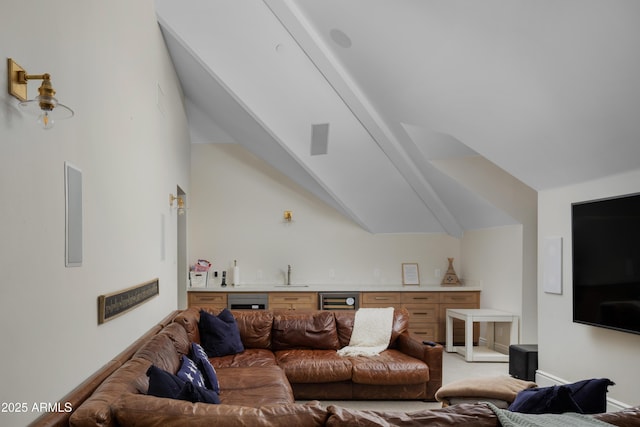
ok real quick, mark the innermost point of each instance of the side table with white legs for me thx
(469, 316)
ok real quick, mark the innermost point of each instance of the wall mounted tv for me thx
(606, 263)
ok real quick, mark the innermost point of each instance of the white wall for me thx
(569, 351)
(493, 258)
(485, 250)
(236, 209)
(106, 60)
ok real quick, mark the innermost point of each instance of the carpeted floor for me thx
(454, 368)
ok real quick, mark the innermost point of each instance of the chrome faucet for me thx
(289, 275)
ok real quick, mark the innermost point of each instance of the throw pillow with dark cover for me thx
(189, 372)
(208, 372)
(165, 384)
(591, 395)
(219, 335)
(545, 400)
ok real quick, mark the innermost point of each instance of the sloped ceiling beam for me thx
(210, 103)
(313, 46)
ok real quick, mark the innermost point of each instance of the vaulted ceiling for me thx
(361, 101)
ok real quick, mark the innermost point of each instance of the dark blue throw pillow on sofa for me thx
(201, 360)
(165, 384)
(189, 372)
(591, 395)
(584, 397)
(219, 335)
(544, 400)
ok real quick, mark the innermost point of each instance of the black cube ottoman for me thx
(523, 361)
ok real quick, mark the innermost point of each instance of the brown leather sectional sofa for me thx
(304, 344)
(280, 364)
(287, 356)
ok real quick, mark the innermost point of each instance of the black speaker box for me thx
(523, 361)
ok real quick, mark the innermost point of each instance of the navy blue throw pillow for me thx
(201, 360)
(219, 335)
(162, 383)
(165, 384)
(545, 400)
(189, 372)
(194, 394)
(591, 395)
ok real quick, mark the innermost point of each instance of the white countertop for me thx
(333, 288)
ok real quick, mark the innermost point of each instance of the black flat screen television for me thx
(606, 263)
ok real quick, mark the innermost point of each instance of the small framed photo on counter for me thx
(410, 274)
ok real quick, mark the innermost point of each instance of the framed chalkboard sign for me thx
(117, 303)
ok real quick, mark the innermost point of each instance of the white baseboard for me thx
(545, 379)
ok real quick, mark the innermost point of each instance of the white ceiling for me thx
(547, 90)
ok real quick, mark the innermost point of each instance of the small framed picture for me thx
(410, 274)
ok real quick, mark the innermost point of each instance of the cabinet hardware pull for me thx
(290, 298)
(381, 298)
(207, 298)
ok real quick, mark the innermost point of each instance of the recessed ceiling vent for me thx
(319, 139)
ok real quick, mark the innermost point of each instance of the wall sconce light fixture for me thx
(180, 203)
(45, 105)
(288, 216)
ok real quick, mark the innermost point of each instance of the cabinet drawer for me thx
(425, 332)
(207, 298)
(293, 301)
(420, 297)
(459, 298)
(293, 298)
(380, 299)
(424, 313)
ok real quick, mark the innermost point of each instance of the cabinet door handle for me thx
(206, 298)
(290, 298)
(420, 314)
(381, 298)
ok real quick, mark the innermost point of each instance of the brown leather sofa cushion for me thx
(255, 327)
(249, 357)
(389, 367)
(166, 348)
(314, 366)
(129, 379)
(625, 418)
(189, 319)
(345, 319)
(311, 330)
(266, 385)
(147, 411)
(464, 415)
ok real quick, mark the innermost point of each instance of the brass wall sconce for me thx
(288, 216)
(180, 203)
(45, 105)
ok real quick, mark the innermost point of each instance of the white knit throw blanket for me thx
(371, 332)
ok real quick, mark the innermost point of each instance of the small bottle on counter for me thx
(236, 274)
